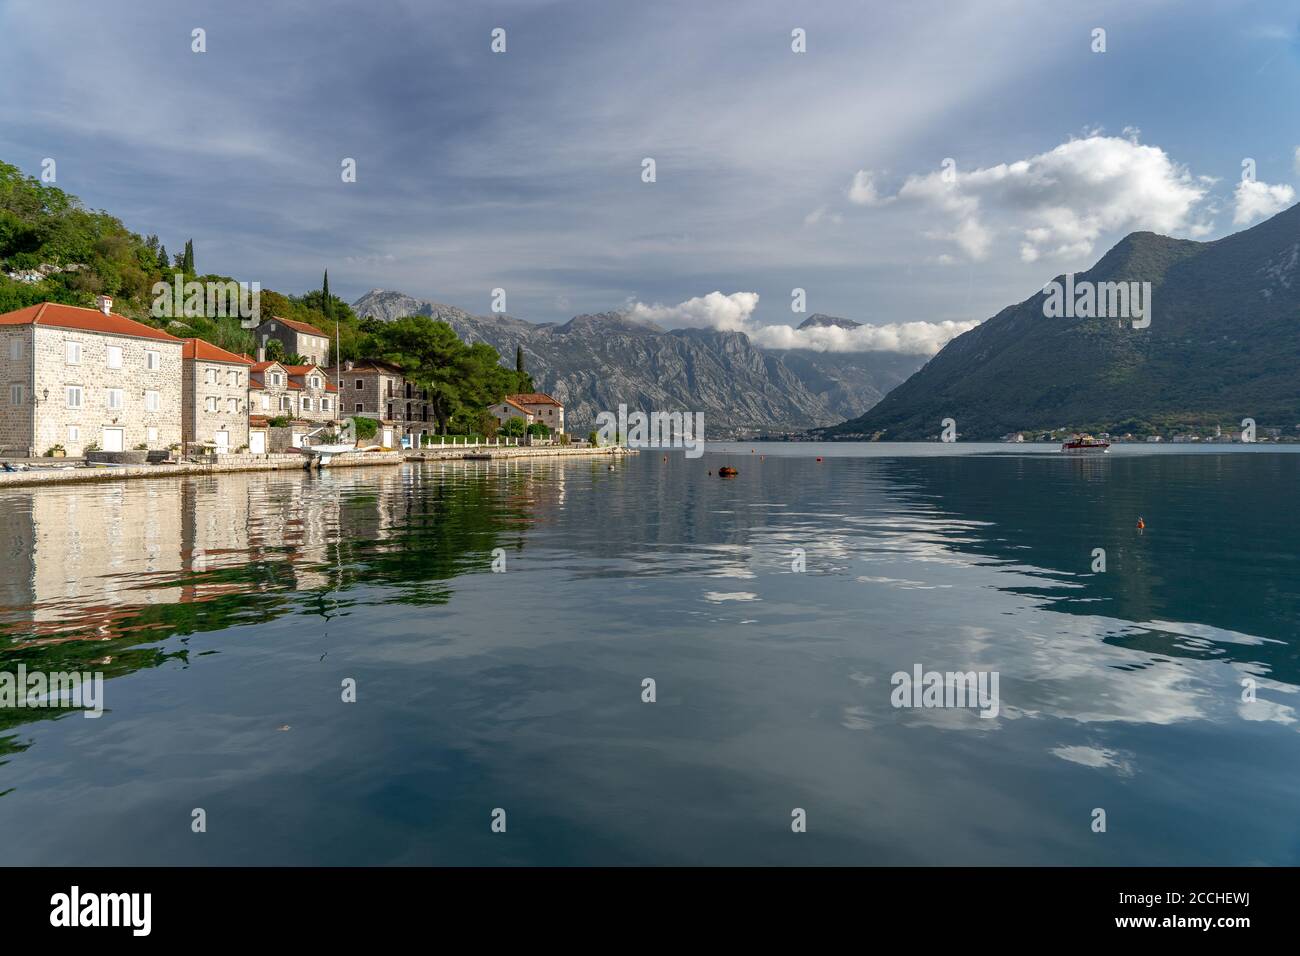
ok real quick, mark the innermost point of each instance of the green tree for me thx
(514, 427)
(187, 263)
(274, 350)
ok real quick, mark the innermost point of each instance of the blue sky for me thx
(775, 170)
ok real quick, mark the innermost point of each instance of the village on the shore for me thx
(95, 385)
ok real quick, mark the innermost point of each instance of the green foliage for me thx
(539, 430)
(274, 350)
(279, 421)
(514, 428)
(593, 439)
(461, 379)
(365, 427)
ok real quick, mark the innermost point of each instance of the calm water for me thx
(226, 612)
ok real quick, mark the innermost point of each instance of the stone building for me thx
(301, 393)
(375, 389)
(84, 379)
(298, 338)
(531, 407)
(214, 397)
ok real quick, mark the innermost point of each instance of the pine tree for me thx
(164, 260)
(188, 263)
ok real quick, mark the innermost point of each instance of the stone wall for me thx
(204, 380)
(16, 419)
(76, 428)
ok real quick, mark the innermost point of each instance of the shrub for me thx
(366, 427)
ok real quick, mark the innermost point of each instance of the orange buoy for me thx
(1141, 524)
(819, 457)
(726, 471)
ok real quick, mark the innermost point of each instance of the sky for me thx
(918, 167)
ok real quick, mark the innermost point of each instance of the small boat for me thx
(726, 471)
(1084, 444)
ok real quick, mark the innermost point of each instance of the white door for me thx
(296, 440)
(223, 442)
(114, 439)
(388, 438)
(257, 443)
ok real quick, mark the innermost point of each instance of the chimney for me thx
(347, 366)
(105, 303)
(261, 354)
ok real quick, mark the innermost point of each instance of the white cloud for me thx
(726, 313)
(1255, 200)
(820, 213)
(735, 313)
(910, 338)
(1061, 202)
(862, 191)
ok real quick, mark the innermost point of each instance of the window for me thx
(72, 353)
(306, 404)
(232, 378)
(151, 401)
(152, 360)
(73, 393)
(16, 394)
(324, 404)
(284, 403)
(115, 356)
(210, 377)
(151, 435)
(276, 379)
(232, 405)
(266, 402)
(358, 408)
(361, 383)
(74, 434)
(113, 399)
(314, 381)
(16, 349)
(210, 404)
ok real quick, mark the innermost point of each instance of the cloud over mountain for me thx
(1058, 203)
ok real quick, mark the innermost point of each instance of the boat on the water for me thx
(1085, 445)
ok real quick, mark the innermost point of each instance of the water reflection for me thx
(237, 603)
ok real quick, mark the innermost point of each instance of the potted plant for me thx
(55, 451)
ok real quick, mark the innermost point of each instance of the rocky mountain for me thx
(819, 321)
(1223, 344)
(594, 362)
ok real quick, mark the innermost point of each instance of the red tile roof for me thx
(199, 349)
(302, 327)
(509, 401)
(532, 398)
(87, 320)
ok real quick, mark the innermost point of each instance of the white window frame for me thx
(266, 402)
(111, 352)
(151, 401)
(114, 399)
(324, 404)
(232, 406)
(152, 360)
(73, 391)
(210, 403)
(17, 394)
(15, 349)
(71, 353)
(74, 434)
(306, 404)
(286, 403)
(210, 376)
(151, 434)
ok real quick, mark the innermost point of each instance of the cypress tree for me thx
(188, 265)
(327, 307)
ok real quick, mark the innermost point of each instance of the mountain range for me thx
(592, 363)
(1223, 345)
